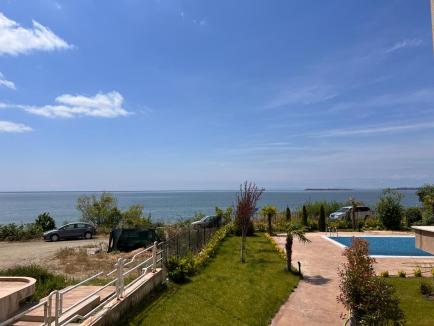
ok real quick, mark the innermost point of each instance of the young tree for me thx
(304, 216)
(245, 209)
(100, 211)
(390, 210)
(369, 298)
(293, 231)
(426, 189)
(322, 219)
(287, 214)
(45, 222)
(269, 212)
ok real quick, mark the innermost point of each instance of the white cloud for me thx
(376, 130)
(305, 95)
(6, 83)
(108, 105)
(15, 39)
(408, 43)
(8, 126)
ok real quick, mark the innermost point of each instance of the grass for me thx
(418, 309)
(226, 292)
(45, 281)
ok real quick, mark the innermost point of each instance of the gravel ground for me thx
(23, 253)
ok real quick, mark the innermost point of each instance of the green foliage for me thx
(287, 214)
(426, 288)
(385, 274)
(402, 274)
(304, 215)
(225, 216)
(372, 223)
(370, 299)
(412, 215)
(269, 212)
(425, 190)
(100, 211)
(14, 232)
(179, 268)
(322, 220)
(134, 217)
(313, 208)
(45, 281)
(390, 210)
(45, 222)
(417, 272)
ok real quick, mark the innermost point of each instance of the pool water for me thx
(387, 246)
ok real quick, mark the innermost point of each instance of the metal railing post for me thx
(60, 303)
(154, 257)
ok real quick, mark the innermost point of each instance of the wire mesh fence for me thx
(188, 240)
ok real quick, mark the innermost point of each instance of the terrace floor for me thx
(314, 301)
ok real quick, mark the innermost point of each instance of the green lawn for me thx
(226, 292)
(418, 310)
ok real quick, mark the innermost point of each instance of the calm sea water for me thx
(23, 207)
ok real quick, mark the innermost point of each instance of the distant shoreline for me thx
(328, 189)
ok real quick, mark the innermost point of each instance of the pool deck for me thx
(314, 300)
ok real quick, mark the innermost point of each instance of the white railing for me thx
(143, 268)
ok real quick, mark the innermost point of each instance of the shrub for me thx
(385, 274)
(372, 223)
(176, 270)
(322, 220)
(45, 222)
(14, 232)
(402, 274)
(412, 215)
(287, 214)
(426, 288)
(370, 299)
(45, 281)
(417, 272)
(304, 216)
(432, 272)
(390, 210)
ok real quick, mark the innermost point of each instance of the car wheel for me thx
(54, 237)
(88, 235)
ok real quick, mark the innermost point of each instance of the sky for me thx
(168, 94)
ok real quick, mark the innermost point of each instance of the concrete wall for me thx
(425, 240)
(113, 310)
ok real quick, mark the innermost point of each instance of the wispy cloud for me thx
(374, 130)
(108, 105)
(6, 83)
(12, 127)
(407, 43)
(305, 95)
(15, 39)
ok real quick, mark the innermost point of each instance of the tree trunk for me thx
(353, 213)
(243, 239)
(288, 247)
(270, 229)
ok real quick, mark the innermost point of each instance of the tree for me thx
(45, 222)
(225, 216)
(369, 298)
(354, 203)
(390, 210)
(269, 212)
(426, 189)
(135, 217)
(100, 211)
(287, 214)
(322, 219)
(428, 202)
(293, 231)
(304, 216)
(245, 209)
(412, 215)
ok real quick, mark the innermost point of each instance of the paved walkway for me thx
(314, 300)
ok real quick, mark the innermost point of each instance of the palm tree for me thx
(293, 231)
(269, 212)
(354, 203)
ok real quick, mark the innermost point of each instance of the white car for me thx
(362, 212)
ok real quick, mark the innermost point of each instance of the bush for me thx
(370, 299)
(417, 272)
(322, 220)
(250, 229)
(390, 210)
(304, 216)
(402, 274)
(426, 288)
(385, 274)
(176, 269)
(14, 232)
(372, 223)
(412, 215)
(45, 281)
(45, 222)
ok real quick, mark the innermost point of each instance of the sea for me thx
(170, 206)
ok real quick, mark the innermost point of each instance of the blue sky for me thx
(137, 95)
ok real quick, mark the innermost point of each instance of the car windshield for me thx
(343, 210)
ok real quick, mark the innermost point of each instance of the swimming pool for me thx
(387, 246)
